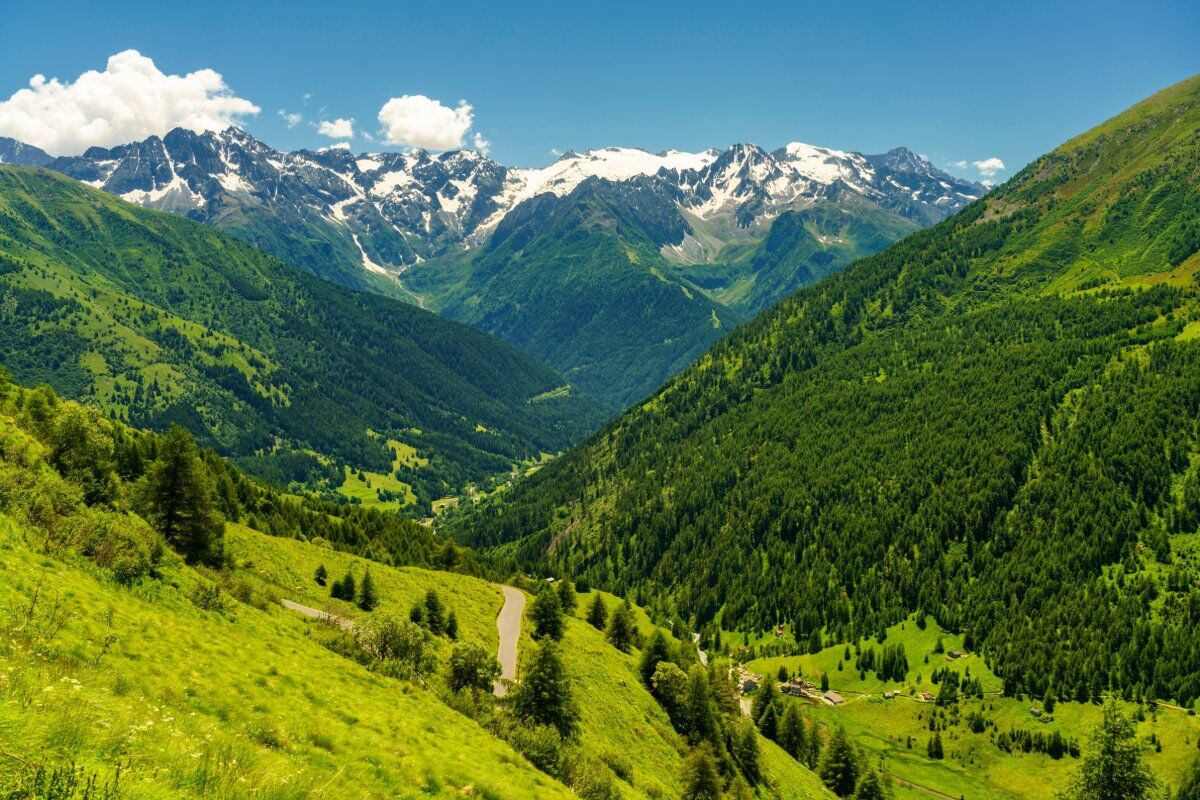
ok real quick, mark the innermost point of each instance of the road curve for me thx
(508, 624)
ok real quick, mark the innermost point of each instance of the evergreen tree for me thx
(700, 779)
(321, 575)
(767, 695)
(935, 746)
(768, 723)
(180, 500)
(782, 675)
(871, 787)
(699, 711)
(656, 650)
(839, 766)
(1114, 764)
(566, 596)
(547, 614)
(435, 613)
(368, 598)
(452, 625)
(597, 614)
(349, 589)
(791, 732)
(447, 557)
(824, 682)
(622, 631)
(743, 745)
(813, 757)
(544, 696)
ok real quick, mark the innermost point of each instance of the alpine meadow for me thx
(511, 403)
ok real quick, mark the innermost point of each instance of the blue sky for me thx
(957, 82)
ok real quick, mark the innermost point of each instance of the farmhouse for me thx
(926, 696)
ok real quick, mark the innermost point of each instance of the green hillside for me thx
(993, 421)
(162, 320)
(140, 662)
(579, 282)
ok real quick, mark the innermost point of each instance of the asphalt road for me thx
(508, 624)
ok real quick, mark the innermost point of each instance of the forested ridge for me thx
(994, 421)
(161, 320)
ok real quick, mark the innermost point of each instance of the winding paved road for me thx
(508, 623)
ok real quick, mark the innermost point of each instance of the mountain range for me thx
(161, 320)
(422, 226)
(994, 421)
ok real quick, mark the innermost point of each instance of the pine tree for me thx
(871, 787)
(768, 723)
(743, 743)
(547, 615)
(839, 765)
(766, 695)
(566, 596)
(544, 696)
(435, 613)
(1114, 765)
(698, 705)
(935, 746)
(700, 779)
(452, 626)
(180, 500)
(597, 615)
(622, 632)
(656, 650)
(349, 589)
(791, 732)
(321, 575)
(368, 598)
(824, 682)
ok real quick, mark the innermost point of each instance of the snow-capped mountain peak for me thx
(396, 208)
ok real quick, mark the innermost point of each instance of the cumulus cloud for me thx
(957, 164)
(131, 99)
(291, 118)
(415, 120)
(336, 128)
(988, 166)
(481, 144)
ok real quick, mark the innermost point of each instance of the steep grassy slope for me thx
(993, 421)
(165, 320)
(117, 658)
(579, 283)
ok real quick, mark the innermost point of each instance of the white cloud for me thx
(131, 99)
(291, 118)
(554, 151)
(334, 146)
(418, 121)
(988, 166)
(481, 144)
(336, 128)
(957, 164)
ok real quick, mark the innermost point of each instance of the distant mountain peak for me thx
(392, 209)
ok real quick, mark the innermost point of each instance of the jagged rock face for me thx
(382, 212)
(25, 155)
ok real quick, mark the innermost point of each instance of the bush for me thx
(397, 647)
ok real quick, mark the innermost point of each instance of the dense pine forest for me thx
(993, 422)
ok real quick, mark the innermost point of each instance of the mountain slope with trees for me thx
(164, 320)
(993, 421)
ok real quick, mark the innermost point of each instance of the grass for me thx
(236, 705)
(973, 767)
